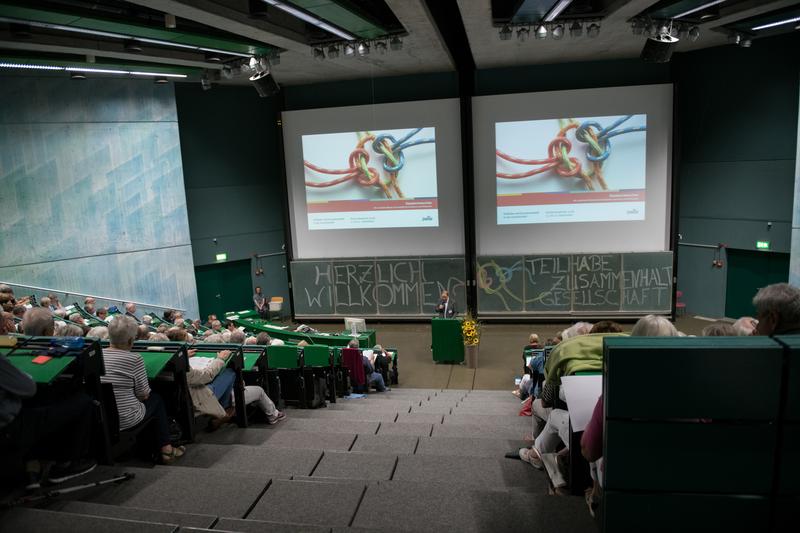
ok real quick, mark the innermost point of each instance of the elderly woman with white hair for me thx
(135, 401)
(777, 310)
(654, 326)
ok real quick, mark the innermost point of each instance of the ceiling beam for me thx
(746, 10)
(67, 45)
(621, 10)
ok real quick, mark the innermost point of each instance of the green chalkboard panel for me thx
(634, 283)
(354, 287)
(443, 273)
(397, 286)
(548, 283)
(647, 281)
(501, 284)
(312, 287)
(595, 282)
(408, 286)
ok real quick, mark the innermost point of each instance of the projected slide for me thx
(371, 179)
(586, 169)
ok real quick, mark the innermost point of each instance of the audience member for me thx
(76, 318)
(777, 310)
(147, 320)
(143, 333)
(263, 339)
(89, 305)
(250, 340)
(383, 363)
(54, 302)
(7, 324)
(216, 325)
(606, 326)
(654, 326)
(745, 326)
(100, 332)
(719, 329)
(135, 401)
(38, 322)
(237, 337)
(374, 379)
(45, 302)
(102, 313)
(130, 310)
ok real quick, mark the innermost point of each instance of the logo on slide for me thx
(427, 219)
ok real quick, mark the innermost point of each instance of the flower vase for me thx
(471, 355)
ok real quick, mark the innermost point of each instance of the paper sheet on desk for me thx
(581, 393)
(200, 363)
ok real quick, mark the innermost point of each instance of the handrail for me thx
(696, 245)
(71, 293)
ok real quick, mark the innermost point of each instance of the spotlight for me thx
(213, 57)
(363, 48)
(396, 44)
(576, 30)
(558, 31)
(169, 21)
(160, 81)
(77, 76)
(746, 43)
(205, 83)
(734, 38)
(523, 34)
(264, 84)
(333, 51)
(541, 31)
(658, 49)
(505, 33)
(349, 50)
(593, 30)
(319, 53)
(663, 29)
(694, 33)
(381, 47)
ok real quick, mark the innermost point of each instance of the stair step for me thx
(133, 513)
(21, 520)
(259, 526)
(308, 502)
(238, 458)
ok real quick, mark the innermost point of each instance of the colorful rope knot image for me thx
(383, 176)
(580, 149)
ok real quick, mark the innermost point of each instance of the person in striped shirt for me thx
(135, 401)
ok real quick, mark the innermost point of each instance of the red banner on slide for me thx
(548, 198)
(341, 206)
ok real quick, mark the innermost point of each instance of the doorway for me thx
(224, 287)
(748, 271)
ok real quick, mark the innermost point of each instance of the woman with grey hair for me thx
(100, 332)
(654, 326)
(135, 401)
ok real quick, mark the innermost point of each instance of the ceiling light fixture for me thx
(160, 81)
(311, 19)
(541, 31)
(576, 30)
(557, 31)
(319, 53)
(77, 76)
(773, 24)
(396, 44)
(593, 30)
(380, 46)
(333, 51)
(169, 21)
(523, 34)
(694, 33)
(556, 10)
(205, 83)
(30, 66)
(746, 43)
(86, 31)
(363, 48)
(698, 8)
(505, 33)
(349, 50)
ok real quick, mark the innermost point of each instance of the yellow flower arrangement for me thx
(470, 331)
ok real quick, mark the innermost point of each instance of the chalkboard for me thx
(632, 283)
(407, 287)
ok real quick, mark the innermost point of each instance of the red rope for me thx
(354, 172)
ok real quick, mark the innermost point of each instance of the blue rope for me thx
(604, 134)
(397, 147)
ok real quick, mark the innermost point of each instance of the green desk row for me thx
(44, 373)
(250, 321)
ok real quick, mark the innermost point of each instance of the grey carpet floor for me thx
(405, 460)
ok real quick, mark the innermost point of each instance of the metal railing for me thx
(73, 293)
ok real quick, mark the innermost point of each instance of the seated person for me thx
(39, 429)
(530, 385)
(383, 363)
(263, 339)
(89, 305)
(592, 451)
(778, 310)
(7, 325)
(374, 379)
(719, 329)
(135, 401)
(102, 313)
(745, 326)
(576, 353)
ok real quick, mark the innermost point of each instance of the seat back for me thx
(352, 359)
(283, 357)
(317, 355)
(110, 410)
(682, 437)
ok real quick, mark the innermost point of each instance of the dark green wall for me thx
(736, 120)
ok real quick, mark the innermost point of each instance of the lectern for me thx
(447, 344)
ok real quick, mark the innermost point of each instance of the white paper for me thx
(581, 393)
(200, 363)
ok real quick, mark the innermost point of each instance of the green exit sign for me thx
(762, 245)
(222, 257)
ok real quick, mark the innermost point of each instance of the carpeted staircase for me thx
(405, 460)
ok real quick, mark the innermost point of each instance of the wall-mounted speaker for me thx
(265, 84)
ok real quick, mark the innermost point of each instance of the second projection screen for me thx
(371, 179)
(571, 169)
